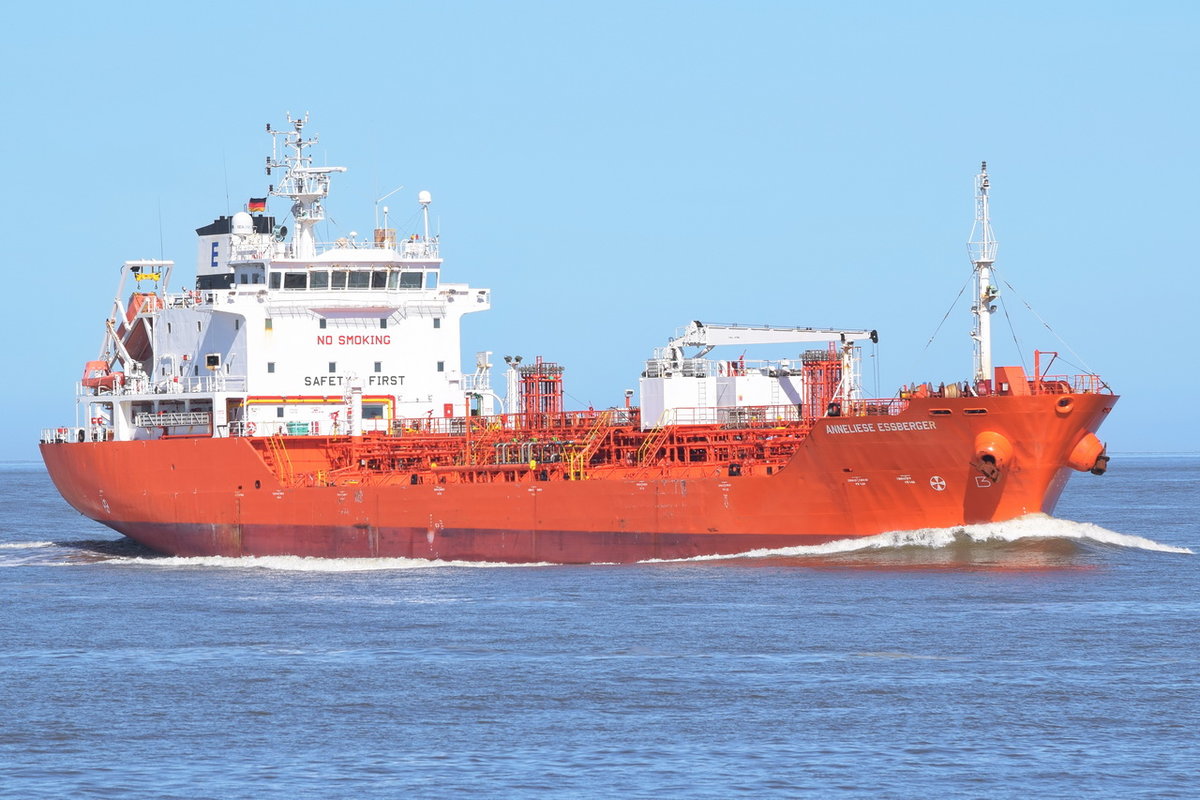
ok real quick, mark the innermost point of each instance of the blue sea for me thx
(1046, 657)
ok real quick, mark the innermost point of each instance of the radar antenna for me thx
(982, 251)
(305, 184)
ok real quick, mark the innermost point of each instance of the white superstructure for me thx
(286, 335)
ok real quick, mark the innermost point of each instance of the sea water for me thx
(1045, 657)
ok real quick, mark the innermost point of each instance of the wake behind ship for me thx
(309, 399)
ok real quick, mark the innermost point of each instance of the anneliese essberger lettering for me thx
(872, 427)
(919, 425)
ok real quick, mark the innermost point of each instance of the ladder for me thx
(657, 437)
(577, 460)
(281, 462)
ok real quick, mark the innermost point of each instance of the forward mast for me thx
(982, 250)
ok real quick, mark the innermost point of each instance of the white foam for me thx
(1031, 526)
(307, 564)
(24, 545)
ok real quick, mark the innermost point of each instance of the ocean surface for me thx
(1047, 657)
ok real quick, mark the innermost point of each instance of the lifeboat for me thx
(99, 375)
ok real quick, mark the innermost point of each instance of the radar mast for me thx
(306, 185)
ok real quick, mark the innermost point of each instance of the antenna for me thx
(380, 200)
(982, 251)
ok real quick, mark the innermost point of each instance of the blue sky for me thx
(615, 170)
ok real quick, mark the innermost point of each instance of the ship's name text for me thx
(875, 427)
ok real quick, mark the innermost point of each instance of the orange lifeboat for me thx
(133, 331)
(99, 375)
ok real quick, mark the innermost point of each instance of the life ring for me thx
(251, 428)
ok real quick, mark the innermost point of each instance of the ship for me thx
(310, 399)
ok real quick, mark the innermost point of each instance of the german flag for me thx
(258, 205)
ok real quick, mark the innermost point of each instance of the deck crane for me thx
(707, 335)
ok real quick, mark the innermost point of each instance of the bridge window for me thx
(338, 279)
(410, 280)
(431, 280)
(393, 279)
(318, 280)
(379, 279)
(295, 280)
(360, 279)
(275, 280)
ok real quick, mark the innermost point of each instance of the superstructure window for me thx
(360, 279)
(372, 411)
(431, 280)
(393, 279)
(383, 322)
(270, 366)
(379, 279)
(295, 280)
(267, 323)
(321, 323)
(379, 366)
(441, 366)
(279, 411)
(338, 279)
(318, 280)
(333, 366)
(410, 280)
(437, 322)
(275, 280)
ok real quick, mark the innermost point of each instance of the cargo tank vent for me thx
(541, 387)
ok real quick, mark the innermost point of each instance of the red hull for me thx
(218, 496)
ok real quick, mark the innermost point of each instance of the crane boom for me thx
(708, 335)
